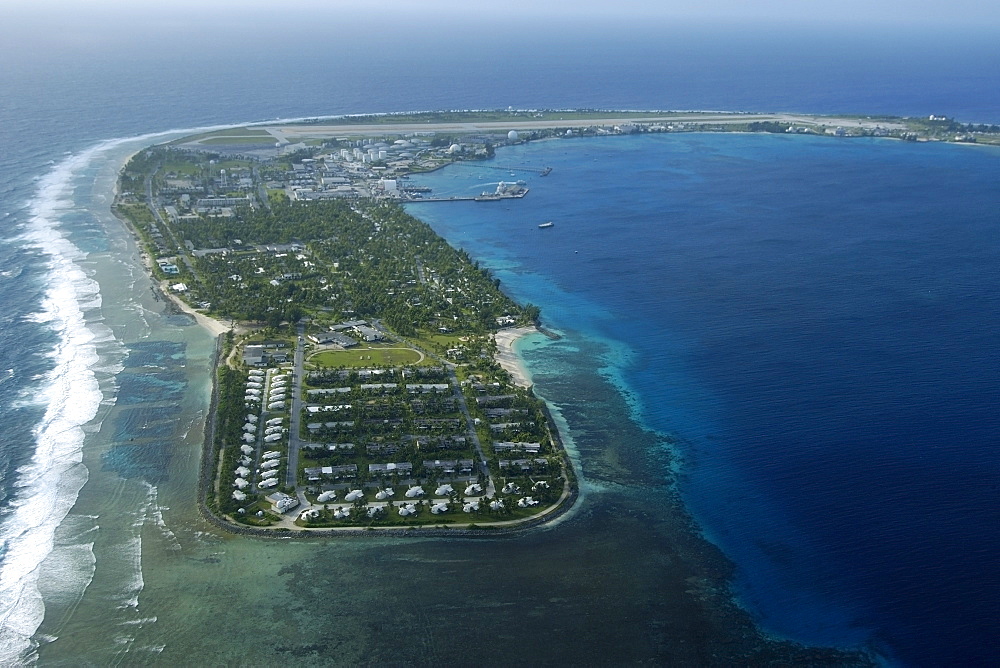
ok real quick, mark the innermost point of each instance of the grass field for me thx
(366, 357)
(438, 342)
(230, 136)
(238, 139)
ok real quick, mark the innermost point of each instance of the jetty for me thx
(503, 191)
(485, 197)
(541, 171)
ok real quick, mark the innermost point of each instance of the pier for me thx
(544, 171)
(503, 191)
(485, 197)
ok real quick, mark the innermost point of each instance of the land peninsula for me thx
(366, 377)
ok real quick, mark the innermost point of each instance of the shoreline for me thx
(214, 327)
(507, 357)
(565, 504)
(161, 288)
(287, 529)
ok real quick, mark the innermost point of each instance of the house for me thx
(328, 390)
(449, 466)
(334, 338)
(422, 388)
(368, 333)
(400, 468)
(523, 464)
(254, 355)
(504, 426)
(342, 471)
(490, 400)
(437, 423)
(507, 446)
(350, 324)
(313, 473)
(382, 448)
(282, 502)
(169, 268)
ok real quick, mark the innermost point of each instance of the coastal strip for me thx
(278, 226)
(486, 431)
(507, 357)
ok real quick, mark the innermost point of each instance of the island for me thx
(366, 377)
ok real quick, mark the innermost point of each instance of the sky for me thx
(907, 13)
(60, 37)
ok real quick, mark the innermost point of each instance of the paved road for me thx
(295, 420)
(471, 425)
(261, 190)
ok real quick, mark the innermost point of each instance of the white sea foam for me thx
(66, 565)
(156, 512)
(138, 622)
(73, 394)
(128, 564)
(48, 486)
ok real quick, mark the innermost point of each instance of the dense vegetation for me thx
(324, 263)
(367, 260)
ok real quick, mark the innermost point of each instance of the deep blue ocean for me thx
(814, 322)
(807, 325)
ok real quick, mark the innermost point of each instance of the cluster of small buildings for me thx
(343, 169)
(337, 334)
(367, 168)
(264, 433)
(342, 472)
(265, 353)
(443, 500)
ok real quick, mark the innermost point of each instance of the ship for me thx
(546, 225)
(503, 191)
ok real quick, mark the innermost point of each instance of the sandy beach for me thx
(215, 327)
(508, 358)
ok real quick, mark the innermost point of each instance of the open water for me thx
(798, 335)
(808, 325)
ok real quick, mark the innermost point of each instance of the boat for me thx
(503, 191)
(546, 225)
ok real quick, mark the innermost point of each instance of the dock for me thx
(541, 171)
(491, 197)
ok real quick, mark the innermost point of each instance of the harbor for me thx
(503, 191)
